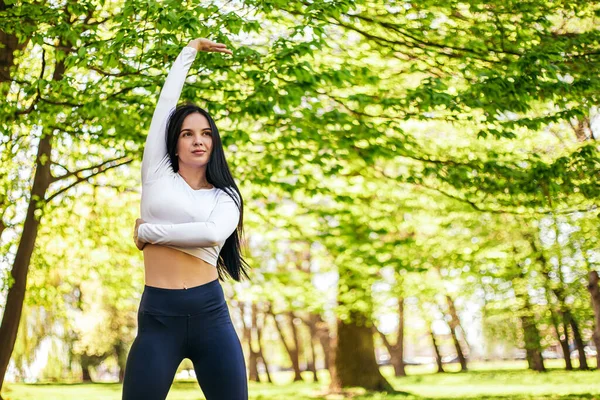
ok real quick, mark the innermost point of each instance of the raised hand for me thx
(202, 44)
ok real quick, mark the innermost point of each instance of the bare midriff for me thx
(173, 269)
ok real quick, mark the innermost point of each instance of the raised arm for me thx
(155, 149)
(220, 225)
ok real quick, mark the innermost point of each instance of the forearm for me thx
(190, 234)
(171, 90)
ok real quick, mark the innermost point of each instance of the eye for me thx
(186, 133)
(209, 133)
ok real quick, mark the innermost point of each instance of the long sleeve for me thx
(221, 223)
(155, 150)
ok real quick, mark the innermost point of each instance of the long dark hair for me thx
(230, 260)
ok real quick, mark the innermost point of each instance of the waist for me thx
(196, 300)
(170, 268)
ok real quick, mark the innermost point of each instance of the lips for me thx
(198, 151)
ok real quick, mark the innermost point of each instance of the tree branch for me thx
(76, 173)
(99, 170)
(433, 44)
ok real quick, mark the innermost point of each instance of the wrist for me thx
(194, 44)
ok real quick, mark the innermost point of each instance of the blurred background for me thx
(420, 184)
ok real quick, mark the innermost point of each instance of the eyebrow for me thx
(188, 129)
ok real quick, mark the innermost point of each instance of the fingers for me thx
(202, 44)
(217, 47)
(220, 48)
(138, 243)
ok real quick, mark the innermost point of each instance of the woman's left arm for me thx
(220, 225)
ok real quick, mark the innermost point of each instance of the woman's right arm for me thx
(155, 149)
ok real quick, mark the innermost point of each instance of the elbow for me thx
(213, 236)
(212, 240)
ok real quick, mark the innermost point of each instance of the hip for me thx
(200, 300)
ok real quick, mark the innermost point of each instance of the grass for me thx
(493, 381)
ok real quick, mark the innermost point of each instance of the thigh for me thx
(219, 363)
(154, 357)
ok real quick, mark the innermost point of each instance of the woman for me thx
(190, 232)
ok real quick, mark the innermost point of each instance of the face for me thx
(194, 145)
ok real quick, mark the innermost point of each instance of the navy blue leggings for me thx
(193, 323)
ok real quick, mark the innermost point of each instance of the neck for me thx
(194, 176)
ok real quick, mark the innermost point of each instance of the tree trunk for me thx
(121, 355)
(253, 359)
(594, 290)
(531, 337)
(259, 328)
(355, 355)
(578, 342)
(438, 355)
(85, 374)
(564, 341)
(297, 345)
(399, 364)
(454, 324)
(292, 353)
(311, 324)
(329, 346)
(10, 43)
(397, 357)
(20, 268)
(561, 295)
(16, 293)
(459, 352)
(247, 337)
(319, 331)
(335, 384)
(324, 336)
(311, 366)
(531, 333)
(87, 362)
(396, 351)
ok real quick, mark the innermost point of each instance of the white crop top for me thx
(196, 222)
